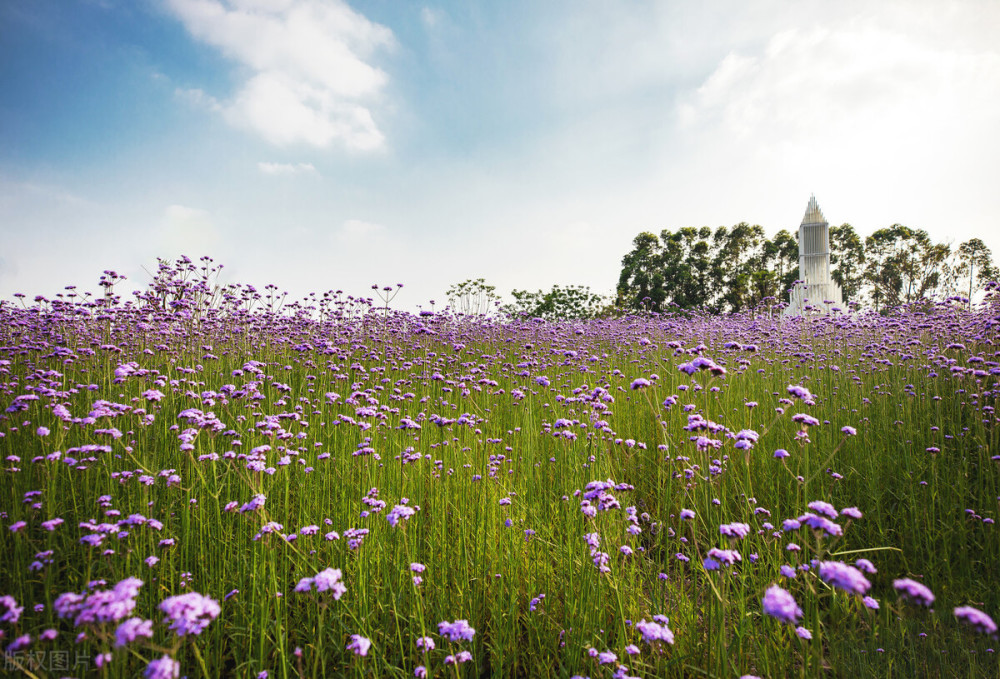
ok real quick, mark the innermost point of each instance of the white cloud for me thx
(860, 82)
(198, 98)
(310, 78)
(285, 168)
(187, 231)
(358, 231)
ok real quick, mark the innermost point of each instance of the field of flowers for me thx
(215, 482)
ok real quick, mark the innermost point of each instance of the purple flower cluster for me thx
(189, 613)
(781, 605)
(914, 591)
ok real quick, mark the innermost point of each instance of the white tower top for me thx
(813, 214)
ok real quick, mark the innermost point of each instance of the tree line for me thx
(732, 269)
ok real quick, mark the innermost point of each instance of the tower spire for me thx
(813, 214)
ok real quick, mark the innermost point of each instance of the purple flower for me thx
(639, 383)
(329, 579)
(866, 566)
(164, 668)
(842, 576)
(781, 453)
(824, 508)
(20, 643)
(781, 605)
(803, 633)
(398, 513)
(726, 556)
(456, 631)
(13, 612)
(975, 618)
(687, 514)
(189, 613)
(799, 392)
(132, 629)
(654, 632)
(914, 591)
(425, 643)
(735, 530)
(606, 658)
(359, 644)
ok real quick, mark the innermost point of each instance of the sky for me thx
(324, 145)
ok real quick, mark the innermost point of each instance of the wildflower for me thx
(425, 644)
(976, 619)
(606, 658)
(824, 508)
(735, 530)
(687, 514)
(803, 633)
(13, 612)
(398, 513)
(842, 576)
(456, 631)
(189, 613)
(781, 605)
(781, 453)
(132, 629)
(164, 668)
(914, 591)
(359, 645)
(639, 383)
(654, 632)
(866, 566)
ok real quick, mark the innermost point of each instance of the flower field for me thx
(216, 482)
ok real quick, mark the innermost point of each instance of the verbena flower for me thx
(456, 631)
(162, 668)
(781, 605)
(189, 613)
(842, 576)
(976, 619)
(914, 591)
(359, 644)
(132, 629)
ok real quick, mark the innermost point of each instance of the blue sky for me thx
(322, 145)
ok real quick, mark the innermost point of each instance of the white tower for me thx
(819, 293)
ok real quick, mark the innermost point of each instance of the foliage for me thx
(733, 269)
(559, 303)
(473, 297)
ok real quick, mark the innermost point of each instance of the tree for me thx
(976, 263)
(781, 254)
(641, 282)
(472, 297)
(847, 258)
(739, 252)
(559, 303)
(882, 269)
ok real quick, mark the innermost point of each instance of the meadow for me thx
(208, 481)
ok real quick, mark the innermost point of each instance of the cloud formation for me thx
(285, 168)
(309, 77)
(187, 231)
